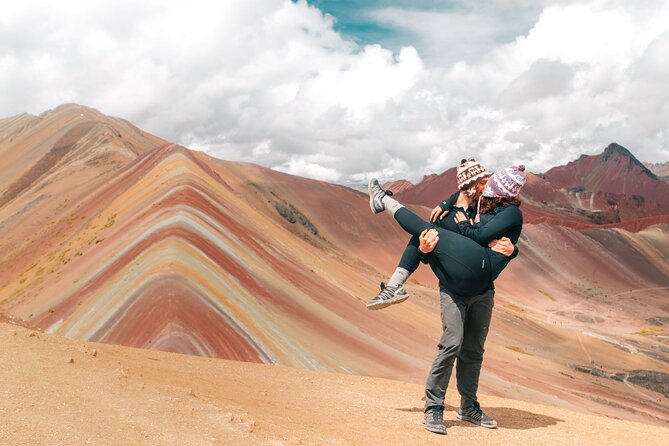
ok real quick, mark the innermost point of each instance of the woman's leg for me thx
(462, 266)
(380, 200)
(411, 222)
(408, 263)
(393, 292)
(410, 259)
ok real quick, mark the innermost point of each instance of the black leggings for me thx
(461, 265)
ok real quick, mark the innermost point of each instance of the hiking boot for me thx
(389, 295)
(376, 195)
(475, 415)
(434, 420)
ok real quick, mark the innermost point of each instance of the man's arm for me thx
(440, 211)
(428, 240)
(504, 247)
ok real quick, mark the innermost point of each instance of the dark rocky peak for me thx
(616, 151)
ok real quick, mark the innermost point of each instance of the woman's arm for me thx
(497, 227)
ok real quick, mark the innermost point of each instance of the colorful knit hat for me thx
(469, 172)
(506, 182)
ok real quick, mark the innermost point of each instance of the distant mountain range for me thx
(612, 188)
(114, 235)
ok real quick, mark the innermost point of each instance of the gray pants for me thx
(465, 322)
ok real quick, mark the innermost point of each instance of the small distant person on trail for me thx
(467, 248)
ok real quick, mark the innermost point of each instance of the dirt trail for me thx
(58, 391)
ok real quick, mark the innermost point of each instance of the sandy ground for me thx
(179, 251)
(57, 391)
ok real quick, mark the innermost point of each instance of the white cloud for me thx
(272, 82)
(300, 166)
(543, 79)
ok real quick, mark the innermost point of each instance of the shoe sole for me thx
(387, 303)
(473, 421)
(435, 430)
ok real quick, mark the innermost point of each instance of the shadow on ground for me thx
(506, 417)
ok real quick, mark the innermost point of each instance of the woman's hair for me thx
(490, 203)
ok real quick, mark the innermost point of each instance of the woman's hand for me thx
(461, 216)
(428, 240)
(502, 246)
(435, 213)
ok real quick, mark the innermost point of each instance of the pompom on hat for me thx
(469, 172)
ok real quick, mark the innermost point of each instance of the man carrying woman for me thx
(466, 257)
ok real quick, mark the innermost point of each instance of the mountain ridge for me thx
(175, 250)
(610, 189)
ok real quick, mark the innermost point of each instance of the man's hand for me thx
(428, 240)
(502, 246)
(460, 217)
(435, 214)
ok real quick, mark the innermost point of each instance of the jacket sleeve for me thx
(448, 203)
(515, 252)
(504, 220)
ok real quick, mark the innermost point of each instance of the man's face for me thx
(478, 188)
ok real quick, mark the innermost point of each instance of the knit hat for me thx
(469, 172)
(506, 182)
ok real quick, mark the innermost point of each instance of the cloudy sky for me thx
(341, 90)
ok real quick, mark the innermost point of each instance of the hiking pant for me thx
(465, 321)
(459, 262)
(410, 260)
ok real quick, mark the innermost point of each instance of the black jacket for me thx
(481, 232)
(505, 221)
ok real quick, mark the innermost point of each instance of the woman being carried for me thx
(471, 179)
(459, 260)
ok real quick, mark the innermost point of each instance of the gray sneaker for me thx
(389, 295)
(475, 415)
(376, 195)
(434, 420)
